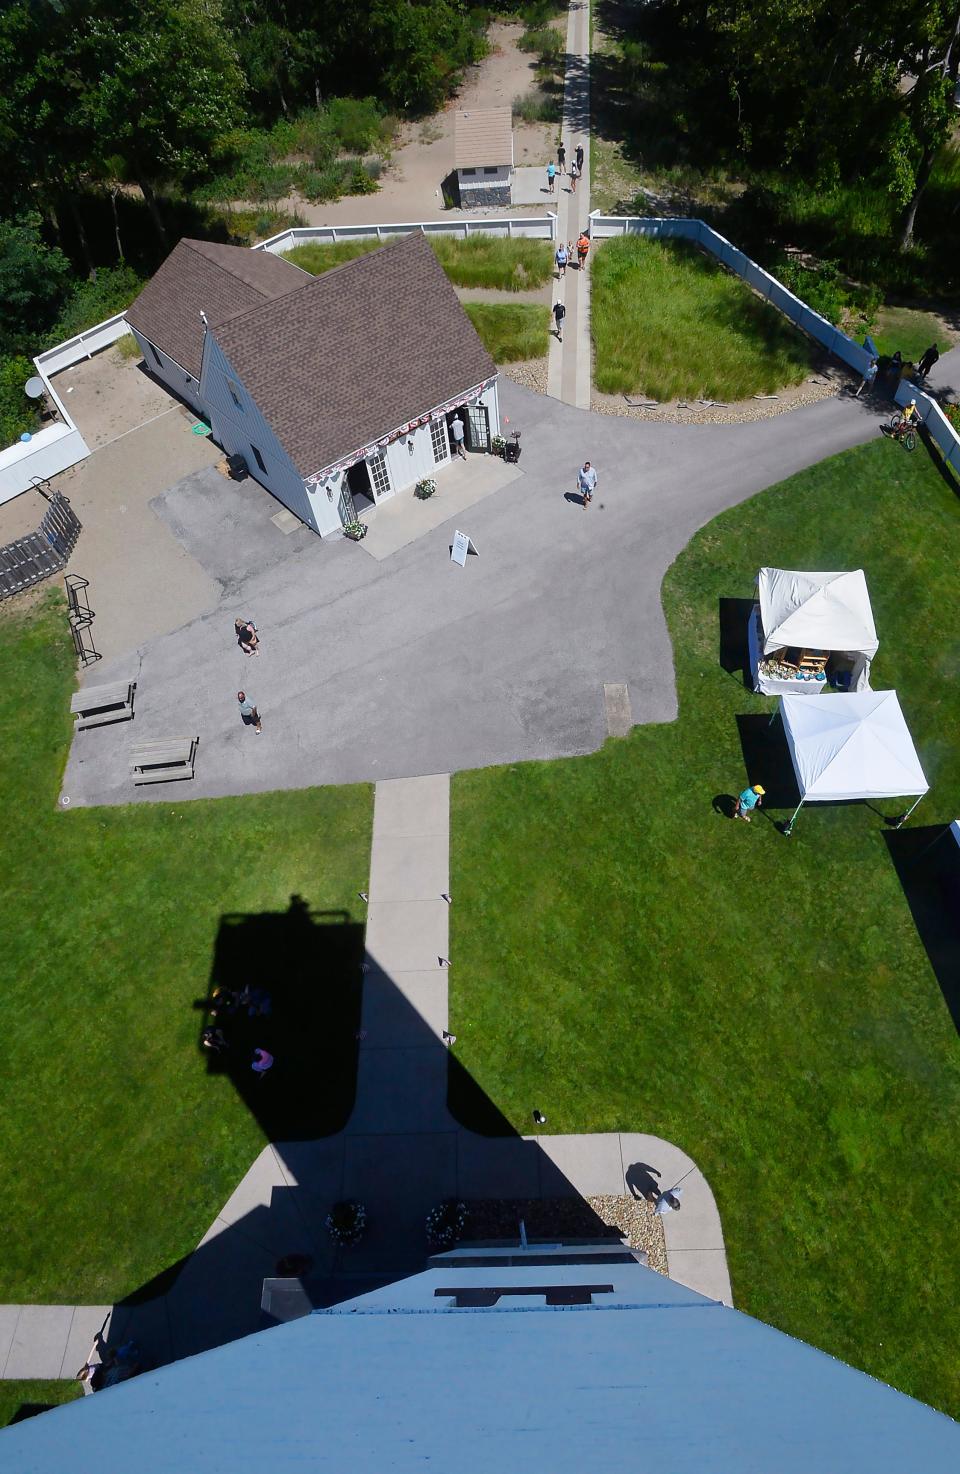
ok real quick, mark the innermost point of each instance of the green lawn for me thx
(511, 331)
(121, 1143)
(22, 1399)
(628, 958)
(910, 331)
(479, 261)
(670, 323)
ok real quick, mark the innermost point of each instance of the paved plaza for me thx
(408, 665)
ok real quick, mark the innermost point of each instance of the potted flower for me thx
(498, 445)
(425, 488)
(445, 1224)
(355, 531)
(345, 1223)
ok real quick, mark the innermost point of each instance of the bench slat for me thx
(94, 698)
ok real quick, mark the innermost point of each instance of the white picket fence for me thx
(511, 227)
(84, 345)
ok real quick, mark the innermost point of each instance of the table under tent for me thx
(810, 630)
(854, 746)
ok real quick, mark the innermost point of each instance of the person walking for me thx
(667, 1201)
(587, 482)
(583, 249)
(456, 430)
(574, 176)
(927, 361)
(561, 260)
(559, 313)
(248, 712)
(551, 172)
(579, 158)
(561, 157)
(749, 799)
(869, 378)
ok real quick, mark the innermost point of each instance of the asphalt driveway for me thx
(413, 665)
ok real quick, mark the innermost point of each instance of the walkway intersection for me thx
(401, 1154)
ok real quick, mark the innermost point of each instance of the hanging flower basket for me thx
(355, 531)
(425, 488)
(345, 1223)
(445, 1224)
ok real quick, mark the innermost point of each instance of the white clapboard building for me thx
(339, 390)
(483, 156)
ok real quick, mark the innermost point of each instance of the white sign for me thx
(461, 547)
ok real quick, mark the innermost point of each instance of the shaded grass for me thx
(511, 331)
(912, 332)
(765, 1004)
(21, 1399)
(670, 323)
(479, 261)
(125, 1146)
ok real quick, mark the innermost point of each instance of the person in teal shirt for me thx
(749, 799)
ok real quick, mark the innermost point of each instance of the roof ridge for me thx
(312, 281)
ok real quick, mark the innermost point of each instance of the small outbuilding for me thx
(808, 630)
(483, 155)
(856, 746)
(337, 391)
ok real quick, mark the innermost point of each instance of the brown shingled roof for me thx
(202, 276)
(356, 353)
(482, 136)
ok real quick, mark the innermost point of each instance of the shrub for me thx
(549, 45)
(128, 347)
(493, 261)
(18, 414)
(537, 106)
(359, 123)
(92, 301)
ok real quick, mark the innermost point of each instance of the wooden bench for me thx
(165, 760)
(95, 706)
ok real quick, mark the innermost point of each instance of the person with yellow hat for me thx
(749, 799)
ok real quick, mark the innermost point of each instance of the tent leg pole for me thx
(909, 812)
(788, 828)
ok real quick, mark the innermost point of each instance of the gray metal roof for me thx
(651, 1374)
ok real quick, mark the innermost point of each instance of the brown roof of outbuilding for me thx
(359, 351)
(202, 276)
(482, 136)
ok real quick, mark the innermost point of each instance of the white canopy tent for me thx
(812, 611)
(853, 746)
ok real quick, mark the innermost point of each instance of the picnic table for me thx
(164, 760)
(96, 706)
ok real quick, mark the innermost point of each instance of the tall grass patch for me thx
(511, 331)
(478, 261)
(669, 323)
(491, 261)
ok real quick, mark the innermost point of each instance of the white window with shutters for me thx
(438, 437)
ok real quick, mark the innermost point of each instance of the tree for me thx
(935, 64)
(34, 281)
(161, 83)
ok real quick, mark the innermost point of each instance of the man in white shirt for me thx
(456, 430)
(587, 481)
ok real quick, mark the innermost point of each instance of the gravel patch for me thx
(531, 373)
(615, 1217)
(826, 383)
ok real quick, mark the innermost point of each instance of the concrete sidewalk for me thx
(569, 363)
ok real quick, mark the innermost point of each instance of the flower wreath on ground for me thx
(425, 488)
(445, 1223)
(346, 1222)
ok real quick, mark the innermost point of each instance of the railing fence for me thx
(30, 559)
(515, 227)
